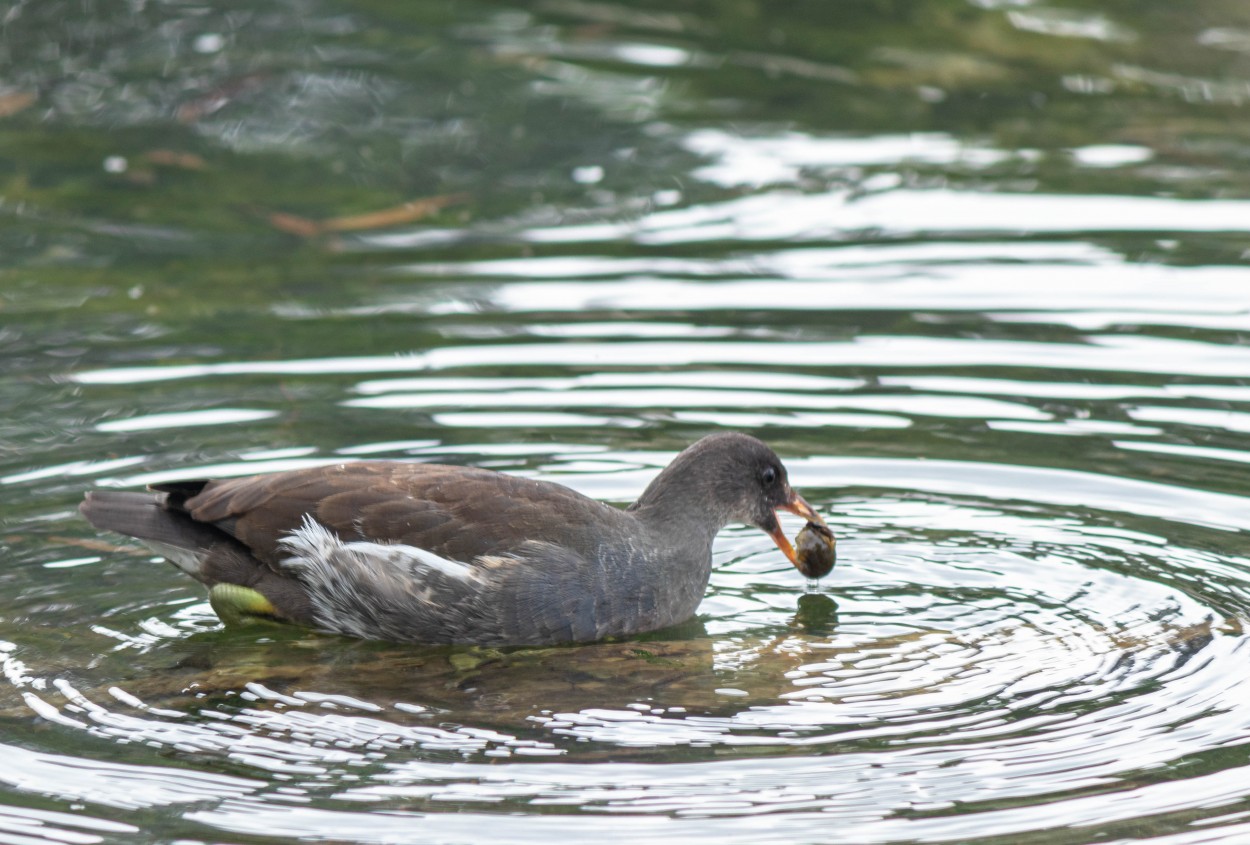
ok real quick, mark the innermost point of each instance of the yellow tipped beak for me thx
(799, 507)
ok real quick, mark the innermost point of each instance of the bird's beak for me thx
(798, 506)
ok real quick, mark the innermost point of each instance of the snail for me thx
(815, 550)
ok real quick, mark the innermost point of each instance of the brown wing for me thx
(457, 512)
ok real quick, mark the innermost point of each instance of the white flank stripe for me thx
(408, 556)
(314, 544)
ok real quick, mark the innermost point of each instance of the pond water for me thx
(977, 269)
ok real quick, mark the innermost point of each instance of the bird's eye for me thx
(769, 475)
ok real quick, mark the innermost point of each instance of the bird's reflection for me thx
(685, 665)
(817, 615)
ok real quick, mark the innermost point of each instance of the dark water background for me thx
(975, 268)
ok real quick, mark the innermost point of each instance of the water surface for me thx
(976, 270)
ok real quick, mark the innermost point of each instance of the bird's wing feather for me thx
(458, 513)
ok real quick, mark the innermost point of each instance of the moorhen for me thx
(410, 552)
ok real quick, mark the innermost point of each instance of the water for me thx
(976, 270)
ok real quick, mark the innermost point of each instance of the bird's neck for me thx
(681, 504)
(680, 514)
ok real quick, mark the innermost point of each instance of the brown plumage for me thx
(429, 553)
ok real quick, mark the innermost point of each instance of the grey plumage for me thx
(437, 554)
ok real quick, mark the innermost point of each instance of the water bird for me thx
(426, 553)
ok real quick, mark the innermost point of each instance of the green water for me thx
(976, 270)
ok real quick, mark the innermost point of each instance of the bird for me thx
(424, 553)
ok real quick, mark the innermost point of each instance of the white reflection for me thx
(1104, 320)
(386, 446)
(1111, 155)
(1083, 290)
(28, 826)
(968, 407)
(652, 55)
(115, 784)
(278, 454)
(213, 416)
(70, 563)
(531, 419)
(789, 263)
(305, 366)
(1067, 390)
(1075, 427)
(797, 419)
(791, 215)
(1069, 23)
(73, 469)
(1131, 354)
(698, 379)
(780, 159)
(1201, 452)
(1206, 417)
(1226, 38)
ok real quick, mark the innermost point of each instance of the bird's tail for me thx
(145, 517)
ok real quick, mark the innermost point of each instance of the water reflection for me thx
(791, 216)
(23, 824)
(975, 269)
(817, 615)
(1109, 353)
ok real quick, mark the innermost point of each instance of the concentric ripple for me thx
(972, 665)
(1021, 638)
